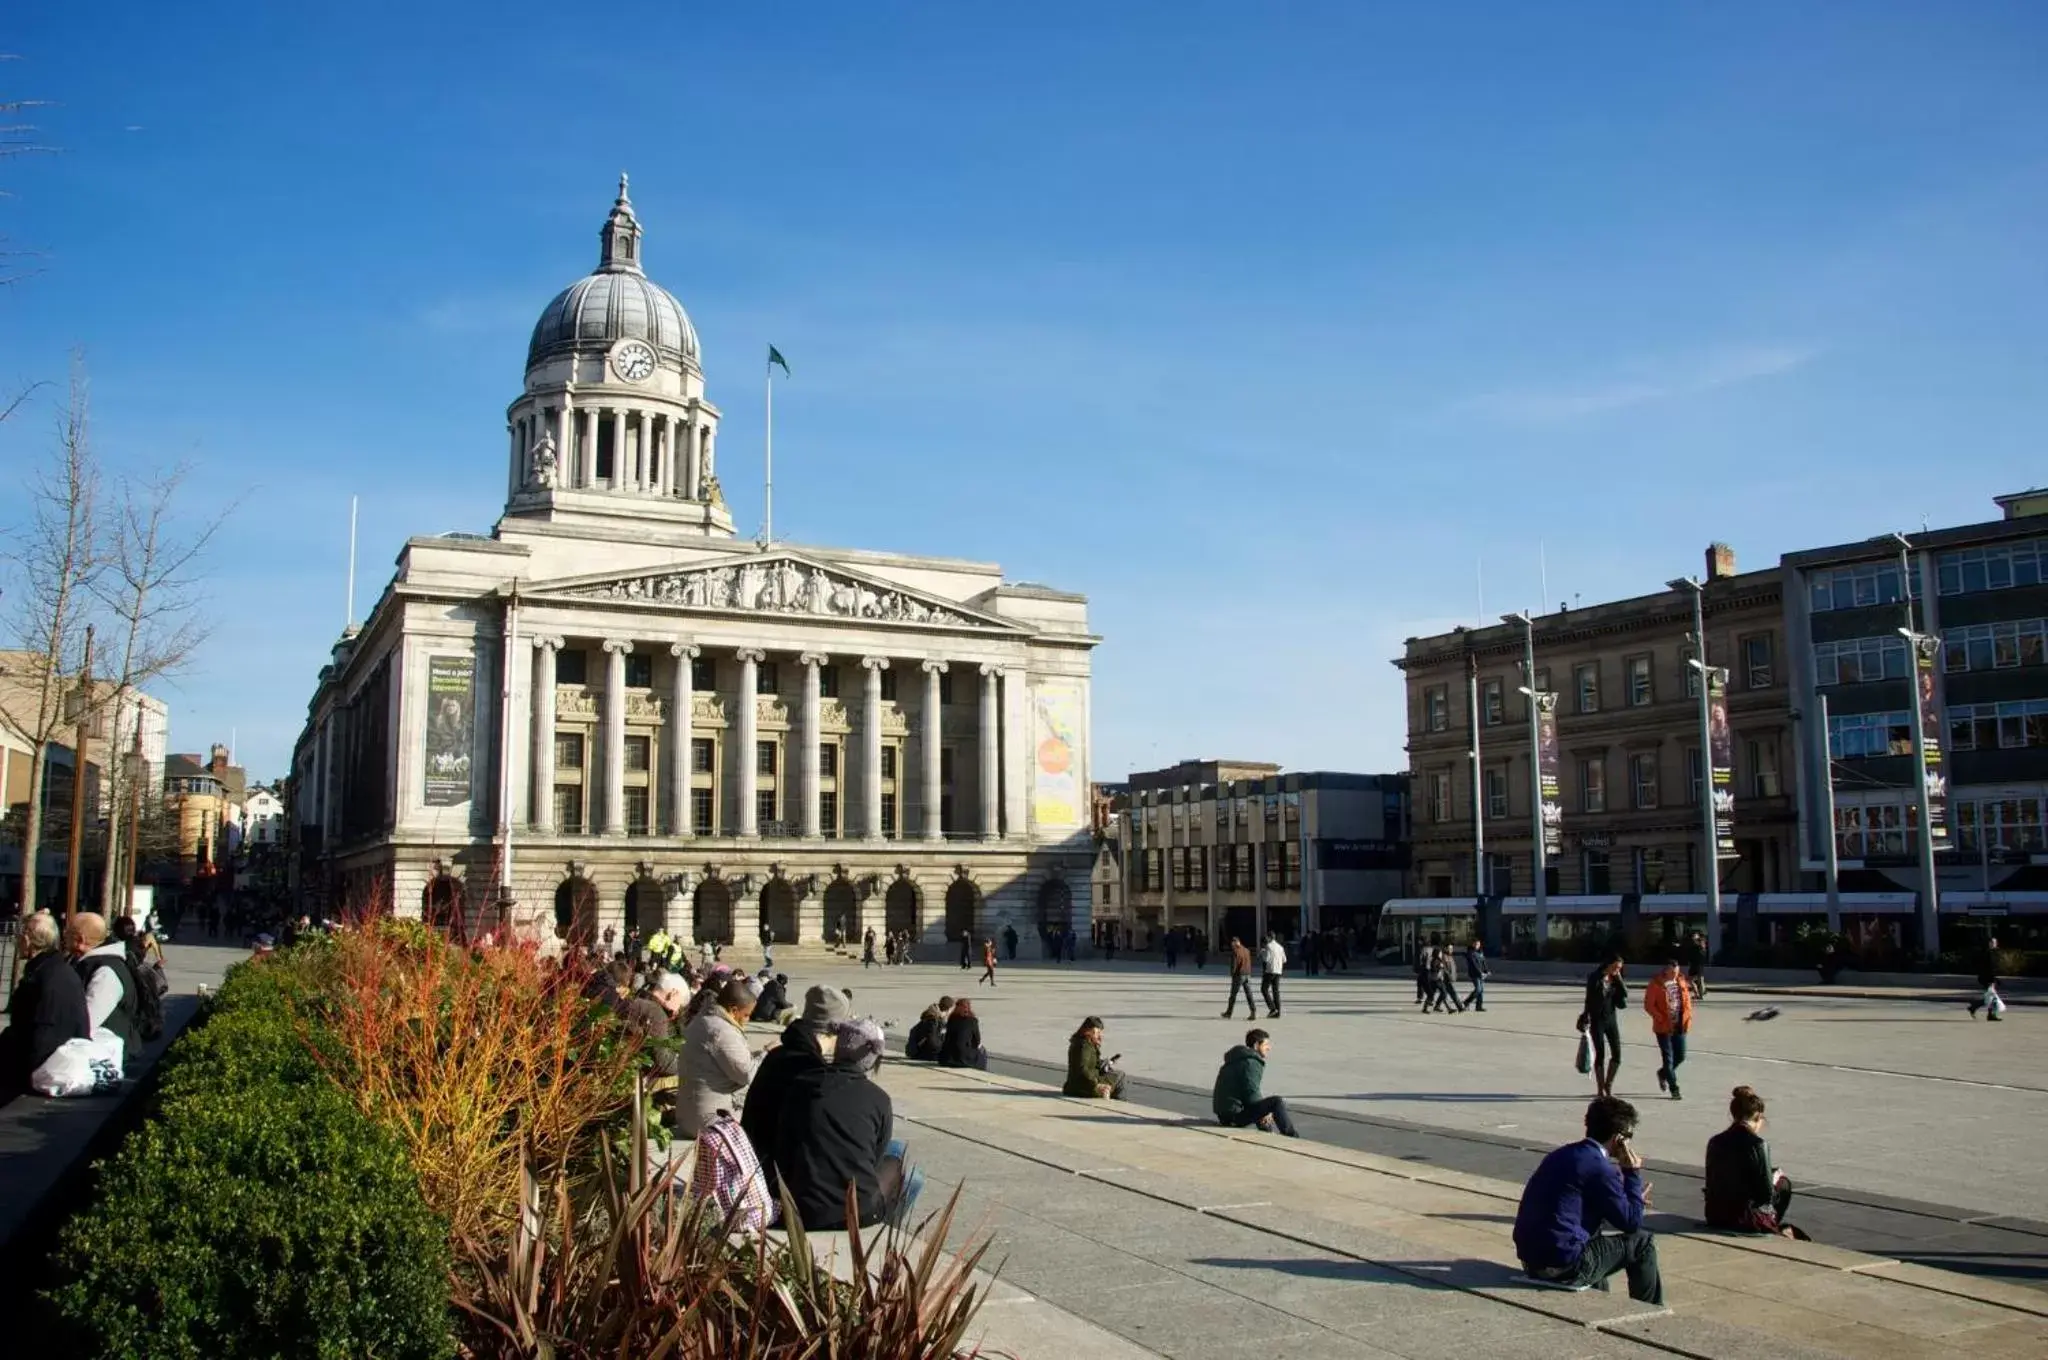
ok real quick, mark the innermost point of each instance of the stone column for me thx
(1016, 753)
(933, 830)
(871, 749)
(542, 812)
(991, 822)
(680, 728)
(688, 445)
(615, 734)
(565, 444)
(812, 827)
(1259, 886)
(710, 452)
(517, 476)
(646, 468)
(620, 481)
(747, 729)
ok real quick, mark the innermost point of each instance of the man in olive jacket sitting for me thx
(1237, 1099)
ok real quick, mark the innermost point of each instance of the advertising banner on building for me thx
(1546, 774)
(451, 705)
(1721, 754)
(1930, 749)
(1056, 755)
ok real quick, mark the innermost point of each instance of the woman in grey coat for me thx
(717, 1066)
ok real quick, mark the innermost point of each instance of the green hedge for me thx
(258, 1213)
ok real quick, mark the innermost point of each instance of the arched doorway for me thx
(842, 910)
(441, 903)
(962, 897)
(778, 910)
(576, 911)
(646, 907)
(711, 912)
(899, 908)
(1055, 905)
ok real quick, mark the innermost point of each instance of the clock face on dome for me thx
(632, 360)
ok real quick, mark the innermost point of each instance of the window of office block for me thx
(639, 754)
(1640, 686)
(1586, 683)
(639, 670)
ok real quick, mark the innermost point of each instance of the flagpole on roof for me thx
(768, 451)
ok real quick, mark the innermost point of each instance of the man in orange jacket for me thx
(1668, 999)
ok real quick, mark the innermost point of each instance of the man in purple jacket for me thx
(1576, 1189)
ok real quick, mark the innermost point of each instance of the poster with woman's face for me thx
(446, 750)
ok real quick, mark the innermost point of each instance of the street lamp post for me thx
(1710, 858)
(1479, 874)
(1539, 855)
(1920, 646)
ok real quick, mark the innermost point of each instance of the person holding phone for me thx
(1580, 1188)
(1089, 1074)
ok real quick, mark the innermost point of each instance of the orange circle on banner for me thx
(1054, 756)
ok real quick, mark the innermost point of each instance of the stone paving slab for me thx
(1316, 1214)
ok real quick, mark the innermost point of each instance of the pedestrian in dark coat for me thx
(48, 1007)
(961, 1046)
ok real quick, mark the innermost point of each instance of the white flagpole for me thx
(350, 622)
(768, 495)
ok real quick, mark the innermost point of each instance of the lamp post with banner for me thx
(1930, 783)
(1717, 803)
(1542, 786)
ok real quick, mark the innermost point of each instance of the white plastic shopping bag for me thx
(81, 1067)
(1994, 1004)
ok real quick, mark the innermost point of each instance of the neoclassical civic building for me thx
(610, 711)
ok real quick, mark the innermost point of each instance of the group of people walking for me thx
(1436, 977)
(1669, 1002)
(1272, 962)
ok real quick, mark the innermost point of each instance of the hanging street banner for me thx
(1546, 775)
(449, 729)
(1721, 750)
(1930, 746)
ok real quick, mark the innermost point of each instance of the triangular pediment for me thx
(777, 583)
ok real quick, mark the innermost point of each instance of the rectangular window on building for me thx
(1436, 708)
(888, 762)
(1496, 793)
(639, 753)
(568, 751)
(703, 673)
(1586, 681)
(1862, 736)
(636, 810)
(1492, 703)
(828, 813)
(1756, 660)
(828, 760)
(1648, 869)
(703, 755)
(1692, 776)
(1179, 861)
(1640, 688)
(828, 682)
(1972, 569)
(1856, 661)
(888, 814)
(946, 687)
(1593, 785)
(888, 687)
(1855, 587)
(1439, 797)
(639, 670)
(767, 678)
(764, 757)
(1642, 779)
(571, 667)
(702, 805)
(765, 812)
(569, 808)
(1763, 768)
(1599, 877)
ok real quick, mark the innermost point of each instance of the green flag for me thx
(775, 358)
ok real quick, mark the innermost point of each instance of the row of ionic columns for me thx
(746, 735)
(669, 455)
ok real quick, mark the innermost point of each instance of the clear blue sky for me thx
(1266, 326)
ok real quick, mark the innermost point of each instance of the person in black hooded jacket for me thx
(961, 1046)
(800, 1050)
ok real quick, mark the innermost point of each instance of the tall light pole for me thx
(1539, 854)
(1710, 858)
(1479, 874)
(1833, 861)
(1920, 646)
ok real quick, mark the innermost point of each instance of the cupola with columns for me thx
(612, 425)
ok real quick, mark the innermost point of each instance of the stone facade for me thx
(612, 713)
(1628, 744)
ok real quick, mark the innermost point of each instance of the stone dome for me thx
(616, 302)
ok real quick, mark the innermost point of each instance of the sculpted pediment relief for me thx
(780, 584)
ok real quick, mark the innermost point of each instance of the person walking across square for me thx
(1475, 972)
(1272, 960)
(1668, 999)
(1240, 977)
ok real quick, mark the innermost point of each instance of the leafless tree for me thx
(55, 563)
(150, 587)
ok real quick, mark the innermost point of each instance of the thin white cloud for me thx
(474, 315)
(1707, 372)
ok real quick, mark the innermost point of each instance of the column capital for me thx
(814, 659)
(618, 645)
(548, 642)
(932, 665)
(754, 654)
(684, 648)
(991, 668)
(875, 663)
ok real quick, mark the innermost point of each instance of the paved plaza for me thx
(1901, 1100)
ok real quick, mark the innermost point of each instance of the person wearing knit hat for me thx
(803, 1046)
(834, 1137)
